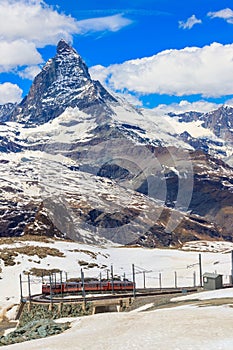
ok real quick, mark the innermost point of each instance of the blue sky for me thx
(154, 52)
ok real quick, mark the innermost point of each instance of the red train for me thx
(90, 286)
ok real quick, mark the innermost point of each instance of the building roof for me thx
(211, 275)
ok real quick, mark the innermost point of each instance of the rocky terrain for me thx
(78, 162)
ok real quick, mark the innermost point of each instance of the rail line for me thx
(40, 298)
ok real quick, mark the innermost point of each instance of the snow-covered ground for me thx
(156, 263)
(179, 328)
(207, 295)
(183, 327)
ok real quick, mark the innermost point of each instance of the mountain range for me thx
(81, 162)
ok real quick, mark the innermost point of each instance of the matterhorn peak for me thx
(63, 82)
(64, 47)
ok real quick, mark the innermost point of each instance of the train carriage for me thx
(89, 286)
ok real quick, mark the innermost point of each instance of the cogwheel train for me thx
(89, 286)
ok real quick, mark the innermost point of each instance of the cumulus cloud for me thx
(17, 53)
(10, 93)
(35, 22)
(190, 22)
(207, 71)
(226, 14)
(186, 106)
(29, 72)
(39, 23)
(26, 25)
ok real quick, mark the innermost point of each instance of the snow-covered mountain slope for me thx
(79, 162)
(211, 132)
(47, 195)
(64, 81)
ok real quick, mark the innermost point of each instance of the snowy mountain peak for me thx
(64, 47)
(63, 82)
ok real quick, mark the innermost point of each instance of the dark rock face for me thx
(191, 228)
(34, 330)
(63, 82)
(14, 218)
(6, 111)
(113, 171)
(104, 193)
(42, 225)
(220, 121)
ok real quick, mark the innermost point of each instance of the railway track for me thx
(44, 299)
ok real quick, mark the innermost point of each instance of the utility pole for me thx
(51, 293)
(21, 288)
(83, 289)
(160, 281)
(124, 279)
(66, 276)
(194, 278)
(200, 269)
(100, 282)
(175, 273)
(61, 284)
(29, 287)
(144, 279)
(232, 267)
(83, 284)
(112, 278)
(134, 286)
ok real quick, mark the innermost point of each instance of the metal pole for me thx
(29, 287)
(232, 267)
(61, 283)
(200, 269)
(175, 279)
(83, 284)
(100, 282)
(112, 279)
(144, 279)
(50, 287)
(21, 288)
(66, 276)
(160, 280)
(42, 278)
(134, 285)
(194, 278)
(55, 279)
(83, 289)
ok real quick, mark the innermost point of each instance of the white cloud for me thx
(39, 23)
(10, 93)
(17, 53)
(190, 22)
(186, 106)
(110, 23)
(226, 14)
(35, 22)
(26, 25)
(207, 71)
(29, 72)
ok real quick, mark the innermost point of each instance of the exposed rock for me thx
(34, 330)
(63, 82)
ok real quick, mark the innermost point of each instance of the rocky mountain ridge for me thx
(78, 162)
